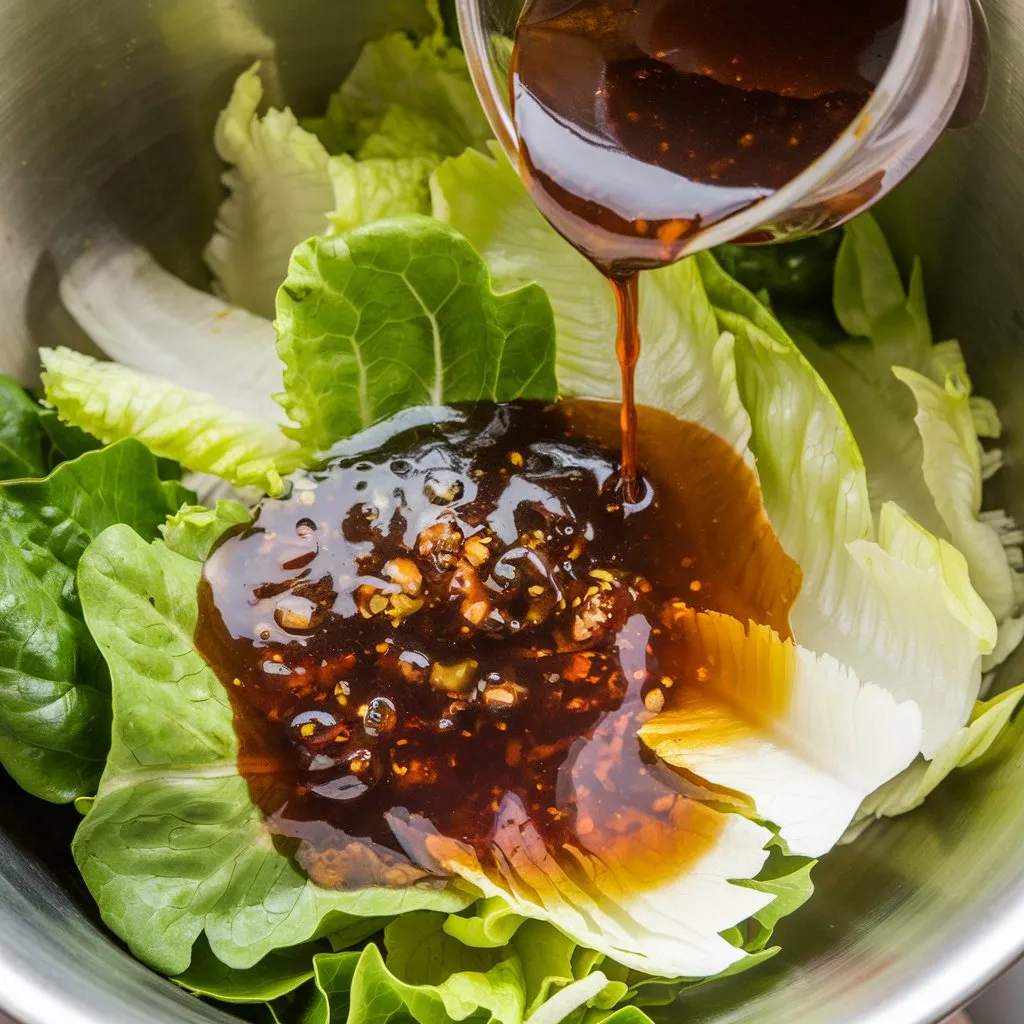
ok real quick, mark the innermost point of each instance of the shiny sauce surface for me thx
(465, 615)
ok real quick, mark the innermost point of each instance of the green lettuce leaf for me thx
(397, 314)
(909, 404)
(279, 194)
(173, 847)
(428, 977)
(66, 442)
(908, 791)
(194, 530)
(378, 188)
(794, 274)
(489, 924)
(686, 364)
(900, 609)
(405, 97)
(54, 686)
(277, 974)
(21, 434)
(113, 402)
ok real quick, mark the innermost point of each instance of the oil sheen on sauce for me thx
(643, 122)
(462, 624)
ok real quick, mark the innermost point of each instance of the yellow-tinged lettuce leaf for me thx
(113, 402)
(987, 723)
(795, 731)
(909, 403)
(898, 610)
(143, 316)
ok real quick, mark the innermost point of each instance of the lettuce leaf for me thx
(397, 314)
(686, 364)
(378, 188)
(404, 97)
(21, 434)
(54, 686)
(173, 847)
(114, 402)
(146, 318)
(276, 975)
(909, 404)
(908, 791)
(899, 611)
(279, 194)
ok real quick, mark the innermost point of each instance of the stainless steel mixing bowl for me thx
(106, 113)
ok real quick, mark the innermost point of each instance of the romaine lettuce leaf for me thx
(21, 434)
(174, 848)
(279, 194)
(899, 611)
(146, 318)
(908, 621)
(909, 404)
(54, 686)
(686, 363)
(795, 731)
(113, 402)
(401, 313)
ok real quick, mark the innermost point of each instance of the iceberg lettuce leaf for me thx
(173, 847)
(401, 313)
(909, 404)
(113, 402)
(987, 723)
(795, 731)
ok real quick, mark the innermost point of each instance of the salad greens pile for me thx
(406, 268)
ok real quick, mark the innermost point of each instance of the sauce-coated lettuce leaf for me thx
(173, 846)
(401, 313)
(54, 686)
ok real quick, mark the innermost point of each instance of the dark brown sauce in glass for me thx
(465, 622)
(643, 122)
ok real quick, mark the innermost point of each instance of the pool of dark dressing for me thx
(468, 615)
